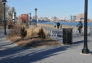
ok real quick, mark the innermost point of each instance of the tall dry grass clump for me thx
(32, 31)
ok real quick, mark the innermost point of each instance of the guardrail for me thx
(58, 33)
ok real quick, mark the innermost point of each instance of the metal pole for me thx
(30, 18)
(71, 18)
(5, 19)
(36, 15)
(85, 50)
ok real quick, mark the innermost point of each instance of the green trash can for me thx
(67, 35)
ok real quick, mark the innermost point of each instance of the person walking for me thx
(80, 26)
(58, 25)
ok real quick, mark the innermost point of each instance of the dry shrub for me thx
(16, 30)
(23, 32)
(41, 33)
(16, 33)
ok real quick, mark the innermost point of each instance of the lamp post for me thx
(36, 15)
(13, 14)
(85, 50)
(14, 17)
(30, 18)
(4, 3)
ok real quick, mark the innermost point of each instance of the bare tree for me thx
(1, 11)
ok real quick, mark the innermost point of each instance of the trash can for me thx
(67, 35)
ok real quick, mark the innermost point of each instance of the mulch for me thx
(34, 42)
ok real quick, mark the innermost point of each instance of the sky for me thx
(50, 8)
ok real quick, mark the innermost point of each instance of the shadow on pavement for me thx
(10, 51)
(36, 55)
(32, 57)
(78, 42)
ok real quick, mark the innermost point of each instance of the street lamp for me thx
(85, 50)
(36, 15)
(30, 18)
(13, 14)
(14, 17)
(4, 3)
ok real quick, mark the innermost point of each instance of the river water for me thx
(64, 23)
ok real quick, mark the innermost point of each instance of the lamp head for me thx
(36, 9)
(4, 1)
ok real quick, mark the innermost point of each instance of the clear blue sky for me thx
(57, 8)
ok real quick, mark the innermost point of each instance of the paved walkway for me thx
(4, 43)
(48, 54)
